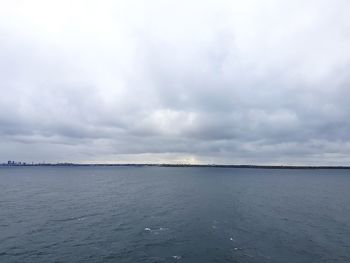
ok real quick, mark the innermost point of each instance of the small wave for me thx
(82, 217)
(156, 230)
(176, 257)
(66, 219)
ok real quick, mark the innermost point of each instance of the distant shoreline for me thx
(176, 165)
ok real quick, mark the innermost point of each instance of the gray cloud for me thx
(169, 81)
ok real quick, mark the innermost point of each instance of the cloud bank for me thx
(229, 82)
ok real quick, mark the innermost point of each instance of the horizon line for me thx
(278, 166)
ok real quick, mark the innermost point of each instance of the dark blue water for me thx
(153, 214)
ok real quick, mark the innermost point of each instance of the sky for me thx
(185, 81)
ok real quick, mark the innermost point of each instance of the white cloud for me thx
(165, 81)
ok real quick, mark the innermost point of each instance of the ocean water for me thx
(159, 214)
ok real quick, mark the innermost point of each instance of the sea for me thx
(174, 214)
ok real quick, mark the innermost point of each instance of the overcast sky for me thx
(221, 81)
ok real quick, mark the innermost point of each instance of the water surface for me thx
(160, 214)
